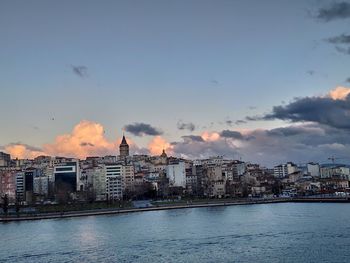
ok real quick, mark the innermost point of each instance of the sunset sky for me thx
(267, 84)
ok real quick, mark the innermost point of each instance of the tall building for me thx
(98, 175)
(114, 181)
(124, 148)
(20, 187)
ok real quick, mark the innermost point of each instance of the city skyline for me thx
(195, 78)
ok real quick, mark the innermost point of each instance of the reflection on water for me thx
(255, 233)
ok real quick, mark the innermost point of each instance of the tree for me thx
(5, 204)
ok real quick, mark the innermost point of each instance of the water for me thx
(286, 232)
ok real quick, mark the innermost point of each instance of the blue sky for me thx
(159, 62)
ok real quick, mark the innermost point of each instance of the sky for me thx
(264, 81)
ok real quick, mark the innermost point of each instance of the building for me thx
(20, 190)
(67, 176)
(128, 174)
(123, 149)
(214, 181)
(29, 175)
(5, 159)
(176, 173)
(98, 176)
(313, 169)
(114, 181)
(282, 170)
(41, 186)
(8, 185)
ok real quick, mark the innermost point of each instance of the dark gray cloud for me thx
(231, 134)
(83, 144)
(141, 129)
(239, 122)
(192, 138)
(80, 71)
(343, 50)
(186, 126)
(310, 72)
(322, 110)
(229, 122)
(336, 10)
(342, 39)
(348, 80)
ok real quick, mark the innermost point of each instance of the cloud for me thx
(239, 122)
(192, 138)
(210, 136)
(347, 80)
(158, 144)
(336, 10)
(141, 129)
(212, 145)
(229, 122)
(80, 71)
(339, 93)
(332, 110)
(310, 72)
(22, 151)
(87, 144)
(231, 134)
(342, 39)
(343, 50)
(186, 126)
(86, 139)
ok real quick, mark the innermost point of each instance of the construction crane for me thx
(333, 159)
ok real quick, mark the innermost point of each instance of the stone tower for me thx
(124, 148)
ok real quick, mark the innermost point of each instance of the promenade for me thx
(214, 203)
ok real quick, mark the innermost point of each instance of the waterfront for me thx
(288, 232)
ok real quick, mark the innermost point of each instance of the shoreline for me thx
(70, 214)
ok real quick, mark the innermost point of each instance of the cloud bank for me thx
(318, 128)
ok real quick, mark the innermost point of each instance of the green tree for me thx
(5, 203)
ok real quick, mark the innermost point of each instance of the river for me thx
(283, 232)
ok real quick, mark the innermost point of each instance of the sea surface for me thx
(284, 232)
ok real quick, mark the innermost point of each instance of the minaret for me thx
(164, 155)
(124, 148)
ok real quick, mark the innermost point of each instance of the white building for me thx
(282, 170)
(313, 169)
(114, 181)
(176, 174)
